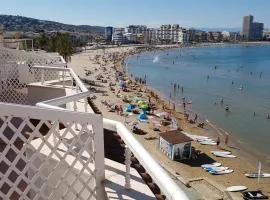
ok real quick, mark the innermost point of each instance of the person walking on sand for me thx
(196, 117)
(218, 142)
(227, 139)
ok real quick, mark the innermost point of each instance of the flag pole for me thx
(259, 171)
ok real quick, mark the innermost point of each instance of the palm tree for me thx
(63, 46)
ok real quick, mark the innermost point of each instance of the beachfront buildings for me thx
(173, 34)
(252, 30)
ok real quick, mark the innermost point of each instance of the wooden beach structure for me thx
(175, 144)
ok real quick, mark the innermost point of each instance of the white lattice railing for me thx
(16, 71)
(43, 156)
(45, 76)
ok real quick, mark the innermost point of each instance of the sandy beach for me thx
(99, 66)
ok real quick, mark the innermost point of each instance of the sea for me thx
(212, 78)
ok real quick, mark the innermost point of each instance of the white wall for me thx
(38, 93)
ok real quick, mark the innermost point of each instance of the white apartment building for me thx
(130, 37)
(172, 34)
(136, 29)
(118, 35)
(183, 36)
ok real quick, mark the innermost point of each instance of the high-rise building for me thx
(108, 33)
(247, 24)
(252, 30)
(257, 30)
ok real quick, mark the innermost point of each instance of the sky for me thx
(153, 13)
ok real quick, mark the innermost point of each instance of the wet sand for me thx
(93, 66)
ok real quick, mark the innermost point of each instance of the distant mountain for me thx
(220, 29)
(25, 24)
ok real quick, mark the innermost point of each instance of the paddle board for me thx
(224, 155)
(215, 164)
(217, 169)
(221, 152)
(227, 171)
(257, 175)
(236, 188)
(208, 142)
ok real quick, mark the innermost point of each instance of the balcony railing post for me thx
(72, 87)
(75, 109)
(42, 76)
(85, 104)
(77, 87)
(59, 75)
(63, 78)
(54, 135)
(128, 163)
(98, 139)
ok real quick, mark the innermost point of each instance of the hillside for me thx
(25, 24)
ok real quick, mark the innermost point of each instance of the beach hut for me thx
(175, 145)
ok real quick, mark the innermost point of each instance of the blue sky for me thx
(120, 13)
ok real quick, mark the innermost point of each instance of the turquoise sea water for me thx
(241, 79)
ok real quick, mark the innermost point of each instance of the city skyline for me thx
(152, 13)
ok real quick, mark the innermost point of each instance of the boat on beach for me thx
(257, 175)
(236, 188)
(218, 169)
(257, 194)
(227, 171)
(224, 155)
(215, 164)
(221, 152)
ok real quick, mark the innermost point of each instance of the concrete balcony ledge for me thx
(115, 183)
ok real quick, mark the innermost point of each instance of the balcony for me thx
(52, 142)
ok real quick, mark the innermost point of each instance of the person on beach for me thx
(221, 101)
(218, 142)
(195, 118)
(227, 139)
(120, 110)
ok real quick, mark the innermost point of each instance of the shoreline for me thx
(244, 148)
(187, 171)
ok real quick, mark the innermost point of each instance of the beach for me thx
(99, 66)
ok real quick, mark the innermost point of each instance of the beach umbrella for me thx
(130, 107)
(143, 116)
(144, 106)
